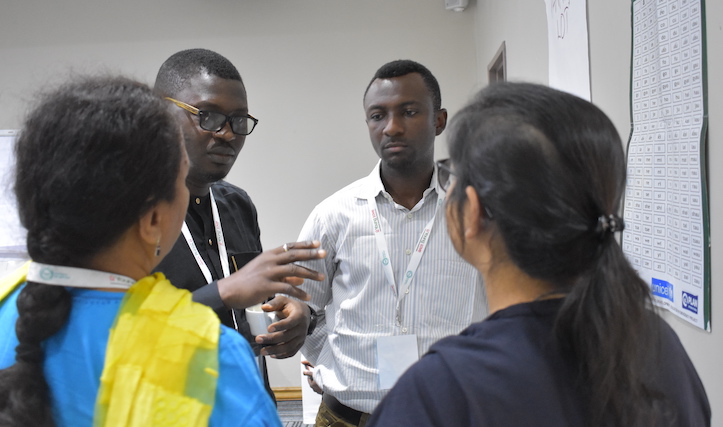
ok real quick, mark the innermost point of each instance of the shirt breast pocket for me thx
(450, 293)
(237, 260)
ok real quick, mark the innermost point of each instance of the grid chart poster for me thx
(12, 234)
(667, 234)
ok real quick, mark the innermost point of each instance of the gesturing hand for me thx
(271, 273)
(288, 334)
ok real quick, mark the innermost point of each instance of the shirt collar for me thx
(373, 185)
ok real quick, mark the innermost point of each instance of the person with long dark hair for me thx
(88, 336)
(536, 179)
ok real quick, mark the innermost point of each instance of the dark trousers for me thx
(333, 413)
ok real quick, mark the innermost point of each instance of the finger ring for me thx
(286, 247)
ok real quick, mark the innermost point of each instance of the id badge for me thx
(394, 355)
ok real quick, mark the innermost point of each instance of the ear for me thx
(149, 228)
(440, 120)
(473, 223)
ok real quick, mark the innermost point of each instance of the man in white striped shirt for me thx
(394, 283)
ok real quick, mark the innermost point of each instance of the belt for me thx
(350, 415)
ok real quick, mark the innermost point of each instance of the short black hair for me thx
(185, 64)
(402, 67)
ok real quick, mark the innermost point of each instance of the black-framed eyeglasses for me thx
(446, 177)
(214, 121)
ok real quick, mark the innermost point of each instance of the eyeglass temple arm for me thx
(190, 108)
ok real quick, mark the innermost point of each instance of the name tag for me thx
(394, 355)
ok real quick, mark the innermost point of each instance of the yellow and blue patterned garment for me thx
(76, 355)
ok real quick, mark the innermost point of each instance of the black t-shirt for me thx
(508, 371)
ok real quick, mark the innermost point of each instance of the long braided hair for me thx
(92, 157)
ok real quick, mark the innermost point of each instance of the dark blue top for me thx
(508, 371)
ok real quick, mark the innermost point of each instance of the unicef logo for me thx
(46, 274)
(409, 274)
(385, 261)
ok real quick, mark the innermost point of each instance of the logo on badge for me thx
(46, 274)
(690, 302)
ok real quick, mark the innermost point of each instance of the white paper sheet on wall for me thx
(12, 234)
(567, 38)
(667, 237)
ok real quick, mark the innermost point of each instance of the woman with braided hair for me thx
(536, 180)
(88, 337)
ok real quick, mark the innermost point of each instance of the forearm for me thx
(208, 295)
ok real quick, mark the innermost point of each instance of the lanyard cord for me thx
(76, 277)
(383, 249)
(223, 254)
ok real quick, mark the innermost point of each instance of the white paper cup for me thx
(259, 320)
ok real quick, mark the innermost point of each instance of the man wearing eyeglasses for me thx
(394, 284)
(218, 255)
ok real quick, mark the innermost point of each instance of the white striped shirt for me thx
(355, 303)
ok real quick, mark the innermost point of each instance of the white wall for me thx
(305, 64)
(522, 24)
